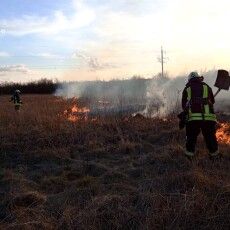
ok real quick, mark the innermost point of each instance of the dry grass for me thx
(104, 174)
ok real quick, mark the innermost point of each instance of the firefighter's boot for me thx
(189, 155)
(215, 156)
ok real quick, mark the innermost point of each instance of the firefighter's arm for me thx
(20, 101)
(183, 115)
(211, 96)
(184, 99)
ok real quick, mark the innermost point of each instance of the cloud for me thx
(2, 30)
(194, 33)
(122, 38)
(15, 69)
(4, 54)
(19, 73)
(49, 55)
(93, 63)
(46, 25)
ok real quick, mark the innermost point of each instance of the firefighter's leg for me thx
(192, 131)
(209, 133)
(17, 108)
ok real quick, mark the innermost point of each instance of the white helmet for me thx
(17, 91)
(193, 75)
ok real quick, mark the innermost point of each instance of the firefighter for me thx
(16, 100)
(197, 102)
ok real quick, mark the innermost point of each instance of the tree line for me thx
(86, 88)
(43, 86)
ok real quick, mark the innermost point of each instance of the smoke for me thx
(164, 95)
(156, 97)
(119, 96)
(69, 90)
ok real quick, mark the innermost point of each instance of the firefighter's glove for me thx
(182, 119)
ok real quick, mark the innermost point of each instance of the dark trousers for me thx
(208, 129)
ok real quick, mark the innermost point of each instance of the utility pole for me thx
(162, 60)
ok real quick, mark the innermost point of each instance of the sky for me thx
(107, 39)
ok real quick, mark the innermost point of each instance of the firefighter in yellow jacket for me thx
(16, 99)
(198, 101)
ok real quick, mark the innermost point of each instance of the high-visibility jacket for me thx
(16, 99)
(204, 102)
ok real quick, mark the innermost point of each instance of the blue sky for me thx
(89, 39)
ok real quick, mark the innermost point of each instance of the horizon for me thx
(206, 74)
(87, 40)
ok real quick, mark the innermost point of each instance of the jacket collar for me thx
(194, 80)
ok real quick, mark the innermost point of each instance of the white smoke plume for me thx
(156, 97)
(69, 90)
(164, 95)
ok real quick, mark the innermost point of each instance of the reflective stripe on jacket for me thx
(205, 104)
(18, 104)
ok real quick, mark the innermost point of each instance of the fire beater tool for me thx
(222, 81)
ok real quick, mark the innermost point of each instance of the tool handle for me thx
(217, 92)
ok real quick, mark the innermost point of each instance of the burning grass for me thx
(223, 133)
(76, 113)
(62, 168)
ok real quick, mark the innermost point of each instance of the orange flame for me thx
(223, 133)
(77, 114)
(75, 109)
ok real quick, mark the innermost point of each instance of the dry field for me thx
(61, 170)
